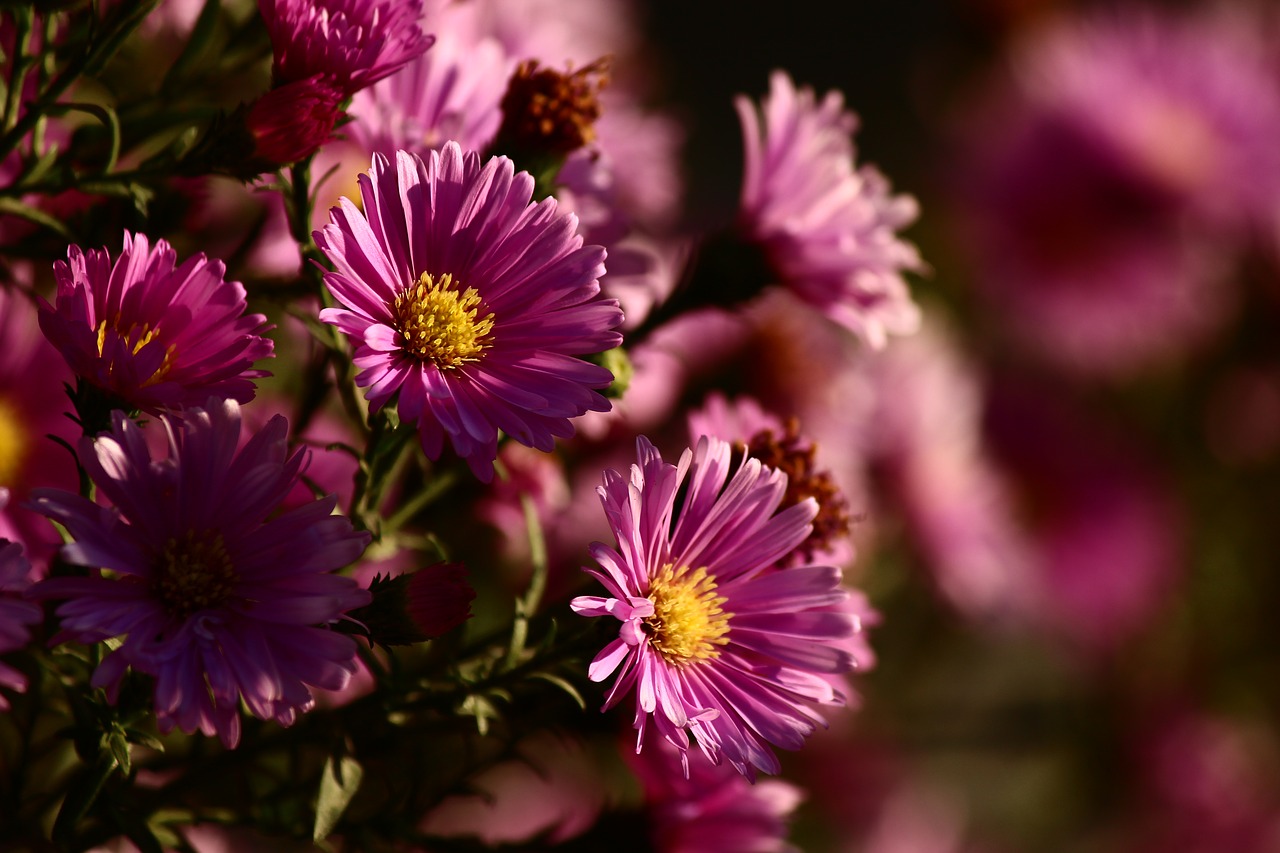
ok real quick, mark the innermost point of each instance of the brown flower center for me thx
(438, 324)
(794, 457)
(687, 623)
(194, 573)
(552, 111)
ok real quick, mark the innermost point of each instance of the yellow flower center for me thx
(194, 573)
(687, 623)
(136, 338)
(439, 325)
(13, 443)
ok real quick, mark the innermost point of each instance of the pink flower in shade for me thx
(349, 43)
(15, 614)
(827, 228)
(469, 302)
(215, 592)
(154, 334)
(713, 809)
(713, 643)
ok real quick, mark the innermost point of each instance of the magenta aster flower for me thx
(350, 43)
(155, 335)
(15, 615)
(469, 302)
(714, 643)
(826, 227)
(213, 591)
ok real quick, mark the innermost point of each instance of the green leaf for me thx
(119, 747)
(338, 784)
(563, 685)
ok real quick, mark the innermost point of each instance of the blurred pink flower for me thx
(1134, 157)
(154, 334)
(1102, 525)
(469, 304)
(33, 400)
(713, 644)
(552, 791)
(714, 809)
(828, 229)
(213, 592)
(291, 121)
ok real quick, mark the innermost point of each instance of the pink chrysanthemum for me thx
(826, 227)
(215, 593)
(713, 642)
(15, 615)
(350, 43)
(469, 302)
(155, 335)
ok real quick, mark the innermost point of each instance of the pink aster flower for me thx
(713, 643)
(828, 228)
(155, 334)
(15, 615)
(350, 43)
(469, 303)
(213, 591)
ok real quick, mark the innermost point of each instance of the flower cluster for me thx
(408, 443)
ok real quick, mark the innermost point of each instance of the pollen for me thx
(439, 324)
(194, 573)
(13, 442)
(135, 338)
(688, 623)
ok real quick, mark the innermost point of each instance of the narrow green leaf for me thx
(338, 784)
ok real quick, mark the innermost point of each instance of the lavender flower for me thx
(469, 303)
(713, 643)
(826, 227)
(155, 335)
(213, 592)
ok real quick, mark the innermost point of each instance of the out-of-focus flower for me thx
(1205, 784)
(32, 402)
(15, 614)
(553, 791)
(1135, 155)
(214, 593)
(713, 643)
(713, 809)
(151, 334)
(469, 303)
(1103, 527)
(920, 433)
(827, 228)
(291, 121)
(348, 43)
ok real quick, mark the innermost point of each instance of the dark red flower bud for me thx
(289, 123)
